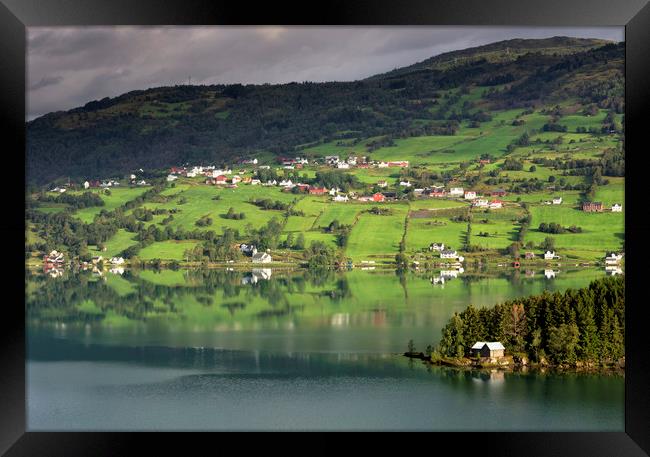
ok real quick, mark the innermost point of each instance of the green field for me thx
(377, 236)
(168, 250)
(118, 197)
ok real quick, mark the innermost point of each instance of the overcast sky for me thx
(70, 66)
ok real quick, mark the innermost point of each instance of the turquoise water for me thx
(230, 351)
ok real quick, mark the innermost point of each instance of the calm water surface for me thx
(266, 350)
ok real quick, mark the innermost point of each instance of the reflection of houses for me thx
(117, 260)
(550, 273)
(117, 270)
(257, 274)
(613, 270)
(340, 319)
(451, 273)
(451, 254)
(492, 350)
(616, 208)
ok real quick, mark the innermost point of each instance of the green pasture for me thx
(118, 197)
(377, 235)
(166, 250)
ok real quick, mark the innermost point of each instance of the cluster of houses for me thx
(256, 275)
(362, 162)
(447, 254)
(250, 250)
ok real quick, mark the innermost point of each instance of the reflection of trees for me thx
(62, 299)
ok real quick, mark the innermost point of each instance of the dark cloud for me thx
(95, 62)
(45, 81)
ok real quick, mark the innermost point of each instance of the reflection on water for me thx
(356, 311)
(267, 349)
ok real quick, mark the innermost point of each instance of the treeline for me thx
(558, 228)
(583, 325)
(85, 200)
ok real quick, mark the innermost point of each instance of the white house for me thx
(334, 190)
(405, 183)
(342, 165)
(255, 182)
(480, 202)
(437, 247)
(550, 255)
(87, 185)
(448, 254)
(171, 178)
(270, 183)
(382, 165)
(382, 183)
(235, 179)
(261, 257)
(549, 274)
(557, 200)
(496, 204)
(332, 160)
(117, 260)
(470, 195)
(340, 198)
(613, 258)
(286, 183)
(456, 191)
(616, 208)
(142, 182)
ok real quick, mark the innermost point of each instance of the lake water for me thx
(270, 350)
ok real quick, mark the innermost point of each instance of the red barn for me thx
(378, 197)
(318, 191)
(591, 207)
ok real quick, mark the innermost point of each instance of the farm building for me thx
(550, 255)
(496, 204)
(248, 249)
(480, 202)
(470, 195)
(399, 163)
(340, 198)
(484, 349)
(613, 258)
(498, 193)
(592, 207)
(616, 208)
(221, 179)
(261, 257)
(456, 191)
(448, 254)
(54, 257)
(437, 247)
(557, 200)
(318, 190)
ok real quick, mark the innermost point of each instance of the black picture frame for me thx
(15, 15)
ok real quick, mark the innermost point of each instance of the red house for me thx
(499, 193)
(399, 163)
(592, 207)
(378, 197)
(221, 179)
(318, 191)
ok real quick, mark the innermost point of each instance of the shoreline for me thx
(510, 364)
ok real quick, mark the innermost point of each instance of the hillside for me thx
(166, 126)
